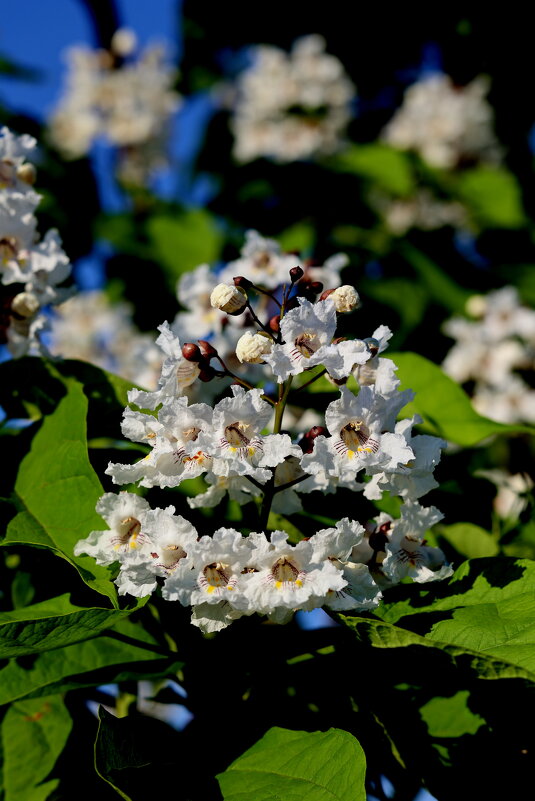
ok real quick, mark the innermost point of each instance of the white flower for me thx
(14, 150)
(292, 105)
(236, 442)
(406, 552)
(356, 442)
(286, 576)
(177, 373)
(175, 454)
(307, 333)
(261, 262)
(414, 479)
(125, 515)
(169, 540)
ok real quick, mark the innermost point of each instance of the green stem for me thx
(311, 381)
(281, 405)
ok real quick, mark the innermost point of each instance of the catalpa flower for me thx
(175, 454)
(406, 551)
(236, 442)
(168, 542)
(355, 423)
(307, 334)
(177, 373)
(126, 515)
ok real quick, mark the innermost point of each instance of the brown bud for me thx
(316, 287)
(207, 350)
(206, 374)
(275, 323)
(326, 294)
(191, 352)
(242, 282)
(293, 303)
(296, 273)
(307, 442)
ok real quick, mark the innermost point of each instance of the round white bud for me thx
(124, 42)
(251, 348)
(25, 304)
(476, 306)
(228, 298)
(345, 298)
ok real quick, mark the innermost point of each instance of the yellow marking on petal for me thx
(278, 584)
(210, 589)
(350, 454)
(229, 587)
(251, 451)
(233, 450)
(299, 583)
(116, 547)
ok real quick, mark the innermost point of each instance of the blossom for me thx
(252, 348)
(307, 332)
(261, 261)
(125, 515)
(177, 373)
(292, 105)
(406, 551)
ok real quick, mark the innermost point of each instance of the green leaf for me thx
(404, 296)
(450, 717)
(443, 405)
(136, 754)
(183, 242)
(486, 609)
(34, 733)
(294, 765)
(299, 237)
(52, 624)
(469, 540)
(388, 168)
(494, 196)
(123, 653)
(58, 489)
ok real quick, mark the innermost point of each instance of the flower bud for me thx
(241, 281)
(251, 348)
(25, 304)
(275, 323)
(315, 287)
(293, 303)
(326, 294)
(206, 374)
(476, 306)
(345, 299)
(207, 350)
(27, 173)
(307, 442)
(296, 273)
(124, 42)
(191, 352)
(227, 298)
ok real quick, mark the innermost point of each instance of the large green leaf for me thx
(34, 733)
(295, 765)
(126, 652)
(183, 242)
(487, 610)
(443, 405)
(388, 168)
(494, 196)
(469, 540)
(57, 490)
(52, 624)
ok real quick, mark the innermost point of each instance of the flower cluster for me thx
(30, 269)
(293, 105)
(444, 123)
(238, 446)
(127, 101)
(490, 350)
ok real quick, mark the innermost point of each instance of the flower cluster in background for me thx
(293, 105)
(493, 351)
(445, 124)
(31, 268)
(127, 101)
